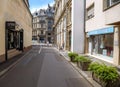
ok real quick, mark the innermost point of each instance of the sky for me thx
(39, 4)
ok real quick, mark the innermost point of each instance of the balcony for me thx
(42, 21)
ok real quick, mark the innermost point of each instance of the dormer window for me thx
(36, 14)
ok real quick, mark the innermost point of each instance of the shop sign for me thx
(10, 25)
(101, 31)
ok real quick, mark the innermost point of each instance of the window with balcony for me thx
(49, 33)
(41, 25)
(49, 28)
(41, 31)
(109, 3)
(36, 14)
(90, 12)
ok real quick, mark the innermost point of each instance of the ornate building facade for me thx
(39, 26)
(62, 23)
(42, 25)
(50, 22)
(69, 25)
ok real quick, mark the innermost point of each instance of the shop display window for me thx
(13, 39)
(103, 44)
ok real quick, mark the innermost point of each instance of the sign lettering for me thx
(10, 25)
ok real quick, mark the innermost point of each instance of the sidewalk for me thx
(86, 74)
(6, 66)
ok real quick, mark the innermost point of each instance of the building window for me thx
(36, 14)
(70, 14)
(109, 3)
(90, 12)
(41, 25)
(102, 44)
(49, 39)
(13, 39)
(42, 32)
(36, 33)
(49, 33)
(49, 28)
(49, 22)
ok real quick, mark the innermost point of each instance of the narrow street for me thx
(43, 67)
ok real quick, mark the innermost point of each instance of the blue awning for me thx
(101, 31)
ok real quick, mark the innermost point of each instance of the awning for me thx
(101, 31)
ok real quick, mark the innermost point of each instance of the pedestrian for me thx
(47, 43)
(62, 45)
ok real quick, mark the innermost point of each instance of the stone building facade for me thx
(43, 25)
(69, 25)
(103, 30)
(50, 22)
(39, 26)
(62, 23)
(15, 28)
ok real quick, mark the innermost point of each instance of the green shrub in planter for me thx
(94, 66)
(105, 75)
(72, 56)
(82, 59)
(83, 62)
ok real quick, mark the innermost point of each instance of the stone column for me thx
(116, 50)
(77, 42)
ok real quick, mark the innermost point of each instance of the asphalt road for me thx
(43, 67)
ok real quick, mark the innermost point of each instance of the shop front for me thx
(42, 39)
(14, 39)
(101, 42)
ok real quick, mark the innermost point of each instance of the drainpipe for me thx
(85, 25)
(6, 42)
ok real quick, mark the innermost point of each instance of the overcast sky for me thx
(38, 4)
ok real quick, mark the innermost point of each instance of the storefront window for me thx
(107, 45)
(13, 41)
(95, 44)
(103, 44)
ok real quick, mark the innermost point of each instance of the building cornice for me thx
(27, 7)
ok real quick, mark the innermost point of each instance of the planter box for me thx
(83, 65)
(103, 84)
(72, 59)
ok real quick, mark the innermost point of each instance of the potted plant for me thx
(106, 76)
(72, 56)
(83, 62)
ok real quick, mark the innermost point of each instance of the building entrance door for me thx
(21, 40)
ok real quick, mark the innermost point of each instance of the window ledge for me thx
(90, 18)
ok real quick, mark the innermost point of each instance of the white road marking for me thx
(40, 50)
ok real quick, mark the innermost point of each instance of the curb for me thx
(85, 76)
(11, 66)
